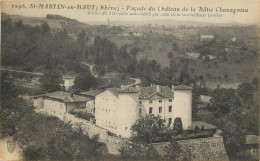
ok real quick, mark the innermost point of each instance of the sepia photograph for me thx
(129, 80)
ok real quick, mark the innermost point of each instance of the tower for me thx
(182, 105)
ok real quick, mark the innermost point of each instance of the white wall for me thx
(127, 113)
(38, 102)
(165, 114)
(182, 107)
(117, 114)
(54, 107)
(90, 106)
(106, 107)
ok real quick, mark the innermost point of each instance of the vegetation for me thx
(236, 113)
(51, 81)
(42, 137)
(145, 131)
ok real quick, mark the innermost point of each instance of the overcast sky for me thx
(252, 16)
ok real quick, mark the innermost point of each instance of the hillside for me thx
(55, 22)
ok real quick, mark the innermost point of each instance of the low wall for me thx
(113, 143)
(211, 148)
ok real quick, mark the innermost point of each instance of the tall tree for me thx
(51, 81)
(85, 80)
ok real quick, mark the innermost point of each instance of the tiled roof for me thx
(183, 87)
(147, 92)
(92, 92)
(116, 91)
(65, 96)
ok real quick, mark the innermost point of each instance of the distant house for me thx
(205, 99)
(68, 81)
(193, 55)
(59, 103)
(137, 34)
(207, 37)
(233, 49)
(125, 34)
(252, 146)
(91, 95)
(234, 39)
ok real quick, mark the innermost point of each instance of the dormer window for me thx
(160, 101)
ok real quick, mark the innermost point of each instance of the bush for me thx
(83, 115)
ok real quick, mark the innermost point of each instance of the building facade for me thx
(117, 109)
(91, 95)
(59, 103)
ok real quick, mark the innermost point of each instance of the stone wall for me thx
(211, 148)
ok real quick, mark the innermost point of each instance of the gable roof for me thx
(64, 96)
(92, 93)
(147, 92)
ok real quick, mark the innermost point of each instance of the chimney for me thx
(158, 88)
(173, 88)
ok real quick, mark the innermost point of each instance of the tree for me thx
(223, 100)
(170, 55)
(177, 125)
(245, 91)
(45, 27)
(51, 81)
(185, 77)
(145, 129)
(84, 81)
(233, 138)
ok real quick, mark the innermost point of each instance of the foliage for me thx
(57, 140)
(185, 77)
(177, 125)
(51, 81)
(223, 100)
(84, 81)
(245, 91)
(83, 115)
(145, 129)
(170, 55)
(233, 138)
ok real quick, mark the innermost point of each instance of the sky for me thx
(250, 17)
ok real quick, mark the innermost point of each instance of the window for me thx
(140, 102)
(150, 110)
(160, 101)
(125, 128)
(160, 109)
(170, 100)
(140, 111)
(170, 108)
(151, 101)
(170, 121)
